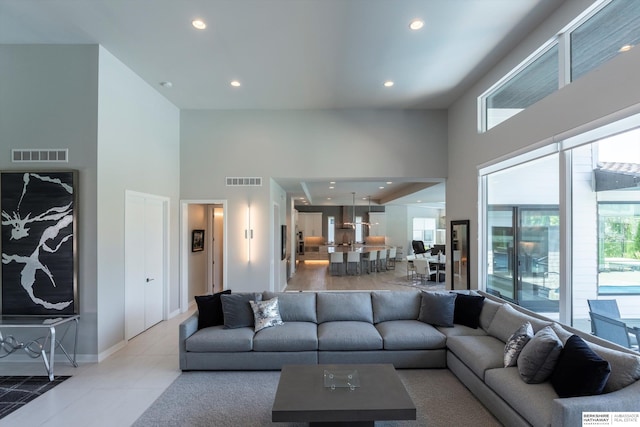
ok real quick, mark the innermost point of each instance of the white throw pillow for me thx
(266, 314)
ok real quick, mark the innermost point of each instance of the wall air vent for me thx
(41, 155)
(244, 181)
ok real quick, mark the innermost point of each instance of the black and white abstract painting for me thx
(38, 242)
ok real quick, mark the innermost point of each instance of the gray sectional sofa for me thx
(394, 327)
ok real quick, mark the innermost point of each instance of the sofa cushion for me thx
(290, 336)
(295, 306)
(220, 339)
(579, 371)
(516, 343)
(437, 308)
(409, 335)
(625, 367)
(395, 305)
(237, 310)
(348, 335)
(489, 310)
(265, 314)
(210, 309)
(460, 330)
(467, 310)
(479, 353)
(534, 402)
(508, 319)
(538, 358)
(341, 306)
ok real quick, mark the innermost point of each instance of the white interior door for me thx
(153, 263)
(144, 265)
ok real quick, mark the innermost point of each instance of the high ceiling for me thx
(290, 54)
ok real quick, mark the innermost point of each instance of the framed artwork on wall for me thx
(39, 242)
(197, 240)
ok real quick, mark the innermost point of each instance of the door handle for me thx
(149, 279)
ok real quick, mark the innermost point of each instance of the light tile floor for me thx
(114, 392)
(118, 390)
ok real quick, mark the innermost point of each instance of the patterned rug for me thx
(17, 391)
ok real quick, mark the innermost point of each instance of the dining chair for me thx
(610, 329)
(411, 268)
(421, 267)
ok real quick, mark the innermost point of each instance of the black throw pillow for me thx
(467, 310)
(579, 371)
(210, 309)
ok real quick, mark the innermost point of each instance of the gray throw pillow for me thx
(265, 314)
(437, 308)
(516, 343)
(237, 310)
(539, 357)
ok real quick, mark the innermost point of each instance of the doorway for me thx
(215, 252)
(146, 221)
(209, 275)
(524, 255)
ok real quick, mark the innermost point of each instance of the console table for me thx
(38, 347)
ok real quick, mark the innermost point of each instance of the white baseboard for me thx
(108, 352)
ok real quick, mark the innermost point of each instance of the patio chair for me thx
(613, 330)
(606, 307)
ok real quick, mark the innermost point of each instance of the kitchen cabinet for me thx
(310, 223)
(378, 224)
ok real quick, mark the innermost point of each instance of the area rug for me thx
(17, 391)
(226, 399)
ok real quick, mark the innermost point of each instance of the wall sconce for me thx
(248, 233)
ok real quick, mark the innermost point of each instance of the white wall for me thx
(138, 150)
(49, 99)
(609, 88)
(304, 144)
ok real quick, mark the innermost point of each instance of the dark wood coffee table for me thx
(302, 396)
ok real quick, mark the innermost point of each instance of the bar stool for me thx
(382, 259)
(353, 260)
(373, 261)
(391, 260)
(335, 263)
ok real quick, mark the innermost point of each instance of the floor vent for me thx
(244, 181)
(50, 155)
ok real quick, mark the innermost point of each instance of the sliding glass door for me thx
(522, 223)
(524, 255)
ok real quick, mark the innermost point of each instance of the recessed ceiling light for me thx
(388, 83)
(389, 182)
(328, 198)
(199, 24)
(166, 84)
(626, 48)
(332, 182)
(416, 24)
(382, 188)
(332, 187)
(235, 83)
(418, 201)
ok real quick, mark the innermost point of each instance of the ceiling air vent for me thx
(42, 155)
(244, 181)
